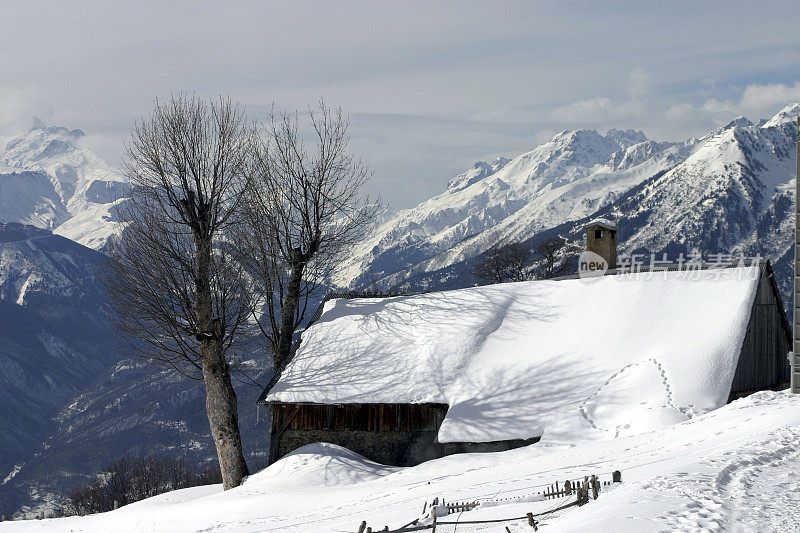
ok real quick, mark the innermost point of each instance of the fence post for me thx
(616, 476)
(116, 505)
(583, 494)
(595, 488)
(433, 512)
(362, 527)
(567, 487)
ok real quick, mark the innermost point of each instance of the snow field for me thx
(733, 469)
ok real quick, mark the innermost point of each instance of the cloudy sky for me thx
(430, 87)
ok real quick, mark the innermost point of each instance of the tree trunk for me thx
(221, 403)
(288, 313)
(223, 416)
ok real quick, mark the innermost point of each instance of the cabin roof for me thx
(536, 358)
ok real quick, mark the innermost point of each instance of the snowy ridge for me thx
(715, 198)
(567, 178)
(48, 179)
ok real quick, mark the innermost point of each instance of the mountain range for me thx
(728, 192)
(77, 399)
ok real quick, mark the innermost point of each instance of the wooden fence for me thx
(581, 489)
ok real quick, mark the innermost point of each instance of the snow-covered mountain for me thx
(49, 180)
(728, 191)
(54, 335)
(74, 397)
(567, 178)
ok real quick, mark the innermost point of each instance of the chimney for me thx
(601, 238)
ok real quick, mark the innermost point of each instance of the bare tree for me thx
(557, 258)
(130, 479)
(306, 208)
(171, 281)
(510, 262)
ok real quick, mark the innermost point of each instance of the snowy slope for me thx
(715, 198)
(54, 339)
(734, 194)
(733, 469)
(500, 355)
(48, 179)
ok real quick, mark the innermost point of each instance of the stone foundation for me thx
(397, 448)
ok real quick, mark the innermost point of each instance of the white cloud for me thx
(584, 110)
(756, 101)
(678, 112)
(676, 119)
(18, 107)
(501, 78)
(593, 111)
(603, 109)
(763, 98)
(638, 83)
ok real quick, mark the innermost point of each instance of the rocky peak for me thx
(738, 122)
(479, 170)
(626, 138)
(788, 114)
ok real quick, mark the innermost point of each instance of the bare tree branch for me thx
(304, 210)
(557, 258)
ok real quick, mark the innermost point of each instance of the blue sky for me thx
(430, 87)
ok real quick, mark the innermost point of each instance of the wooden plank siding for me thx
(763, 362)
(359, 416)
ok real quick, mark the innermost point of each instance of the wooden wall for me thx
(391, 434)
(359, 416)
(763, 362)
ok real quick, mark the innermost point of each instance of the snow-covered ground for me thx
(733, 469)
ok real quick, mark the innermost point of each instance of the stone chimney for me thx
(601, 238)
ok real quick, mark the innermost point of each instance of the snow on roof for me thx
(606, 357)
(602, 222)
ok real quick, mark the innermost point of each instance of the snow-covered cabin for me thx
(404, 379)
